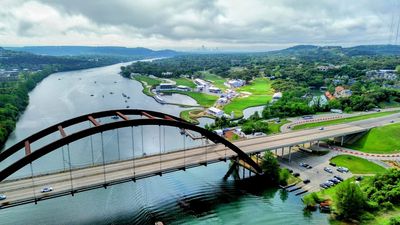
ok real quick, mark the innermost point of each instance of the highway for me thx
(23, 191)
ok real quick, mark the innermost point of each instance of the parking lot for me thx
(316, 174)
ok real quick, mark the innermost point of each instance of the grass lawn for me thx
(261, 94)
(379, 140)
(202, 99)
(274, 128)
(147, 83)
(184, 81)
(259, 86)
(344, 120)
(357, 165)
(186, 115)
(148, 80)
(215, 80)
(239, 104)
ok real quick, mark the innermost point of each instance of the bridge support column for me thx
(341, 141)
(283, 149)
(276, 152)
(233, 168)
(318, 143)
(290, 153)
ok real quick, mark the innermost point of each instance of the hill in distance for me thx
(89, 50)
(340, 51)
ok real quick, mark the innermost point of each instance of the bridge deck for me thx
(21, 191)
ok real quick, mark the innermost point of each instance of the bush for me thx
(394, 221)
(372, 206)
(283, 176)
(387, 205)
(367, 217)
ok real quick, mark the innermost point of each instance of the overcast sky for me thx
(185, 24)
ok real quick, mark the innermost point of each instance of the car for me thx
(327, 169)
(334, 180)
(290, 170)
(306, 181)
(332, 164)
(321, 128)
(329, 183)
(303, 165)
(2, 197)
(47, 189)
(359, 178)
(342, 169)
(296, 174)
(392, 121)
(339, 178)
(323, 185)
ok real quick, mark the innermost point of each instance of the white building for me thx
(214, 90)
(166, 74)
(165, 87)
(276, 96)
(222, 100)
(183, 88)
(235, 83)
(200, 82)
(215, 112)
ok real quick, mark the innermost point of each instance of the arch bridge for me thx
(102, 173)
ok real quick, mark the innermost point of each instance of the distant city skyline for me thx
(223, 25)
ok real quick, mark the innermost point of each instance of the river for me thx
(196, 196)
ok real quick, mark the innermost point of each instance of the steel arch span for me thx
(153, 118)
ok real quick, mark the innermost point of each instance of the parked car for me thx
(339, 178)
(323, 185)
(392, 121)
(306, 181)
(342, 169)
(334, 180)
(332, 164)
(359, 178)
(329, 170)
(329, 183)
(47, 189)
(321, 128)
(296, 174)
(2, 197)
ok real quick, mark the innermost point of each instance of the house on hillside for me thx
(341, 92)
(381, 74)
(329, 95)
(318, 101)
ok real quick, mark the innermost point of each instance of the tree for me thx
(270, 166)
(350, 200)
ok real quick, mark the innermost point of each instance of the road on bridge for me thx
(23, 191)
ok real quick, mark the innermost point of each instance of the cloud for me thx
(234, 24)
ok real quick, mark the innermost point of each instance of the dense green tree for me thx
(270, 166)
(351, 201)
